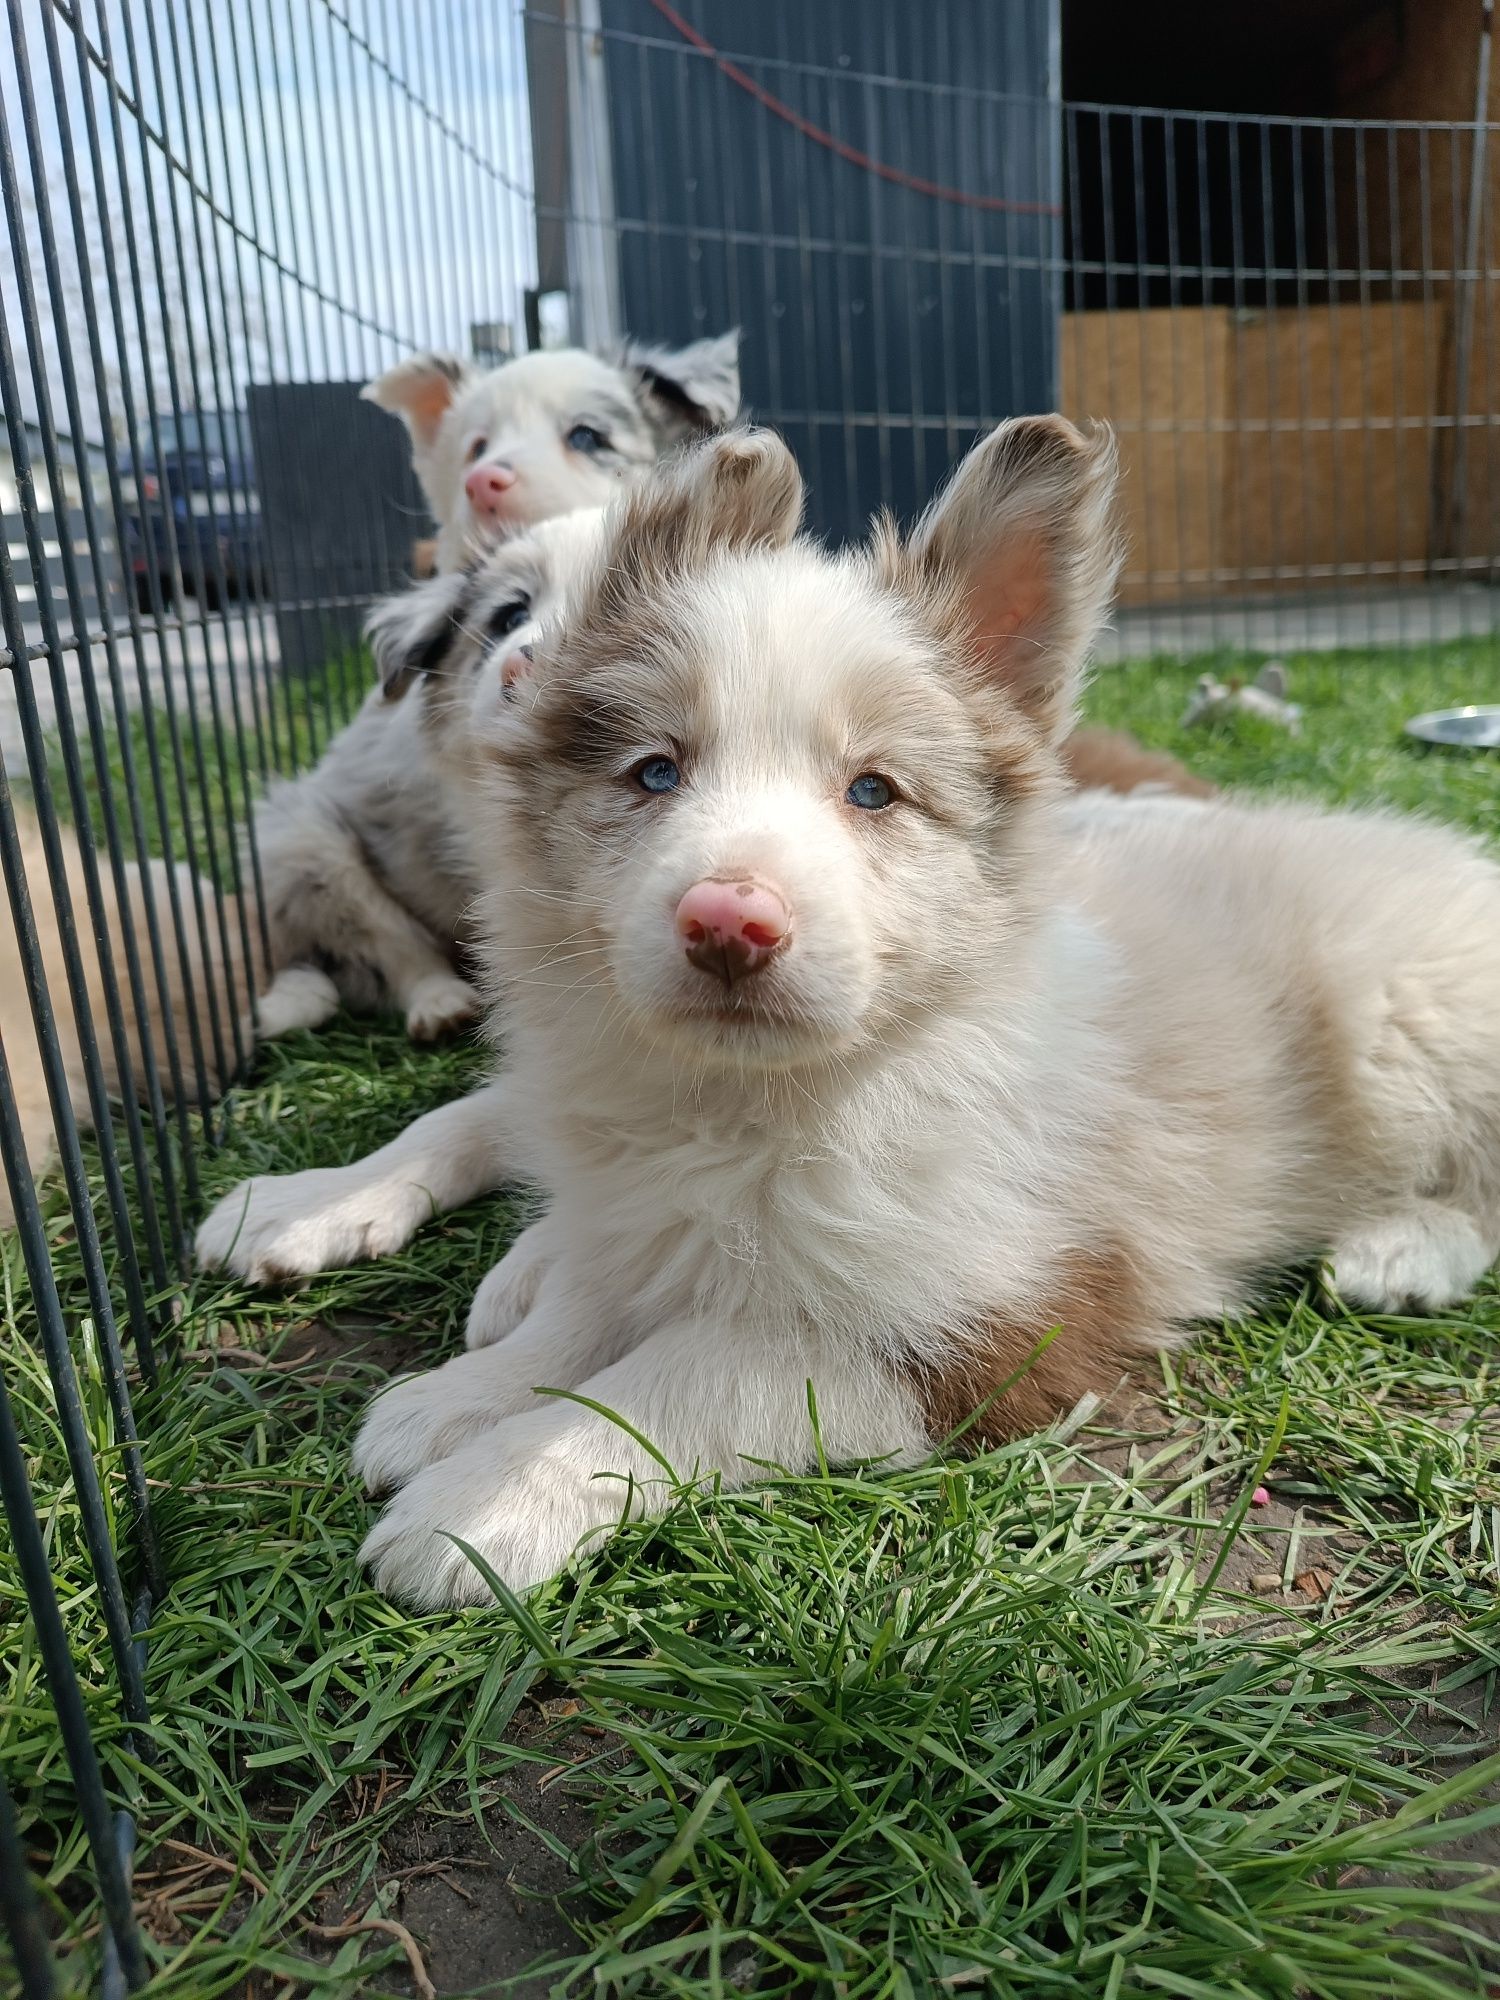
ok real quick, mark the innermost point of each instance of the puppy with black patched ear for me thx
(365, 858)
(500, 449)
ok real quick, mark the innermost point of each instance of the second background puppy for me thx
(362, 857)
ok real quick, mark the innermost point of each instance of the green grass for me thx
(1351, 749)
(205, 771)
(1018, 1726)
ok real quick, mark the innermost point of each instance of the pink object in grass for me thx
(1260, 1497)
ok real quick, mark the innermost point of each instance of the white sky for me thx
(365, 223)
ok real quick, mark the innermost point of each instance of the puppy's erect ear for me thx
(741, 490)
(413, 632)
(420, 392)
(1024, 533)
(691, 389)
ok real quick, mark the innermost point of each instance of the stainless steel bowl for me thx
(1462, 728)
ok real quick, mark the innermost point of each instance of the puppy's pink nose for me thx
(730, 929)
(487, 486)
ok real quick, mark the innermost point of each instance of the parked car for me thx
(198, 493)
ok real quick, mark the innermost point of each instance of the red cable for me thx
(845, 152)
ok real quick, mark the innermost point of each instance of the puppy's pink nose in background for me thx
(730, 929)
(487, 486)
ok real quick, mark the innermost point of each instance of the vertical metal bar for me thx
(771, 268)
(300, 707)
(432, 205)
(338, 194)
(1231, 132)
(120, 701)
(386, 199)
(144, 887)
(877, 220)
(1112, 264)
(1335, 397)
(1269, 430)
(978, 246)
(256, 647)
(1431, 388)
(481, 205)
(1300, 253)
(1485, 560)
(114, 1977)
(1212, 381)
(729, 171)
(253, 151)
(840, 255)
(807, 289)
(340, 181)
(1397, 277)
(225, 406)
(98, 1088)
(354, 202)
(1174, 320)
(1367, 467)
(1455, 231)
(1463, 332)
(157, 609)
(53, 1330)
(41, 1598)
(56, 1077)
(19, 1910)
(1149, 433)
(204, 828)
(691, 251)
(948, 251)
(203, 578)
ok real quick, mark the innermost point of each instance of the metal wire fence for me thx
(220, 224)
(222, 221)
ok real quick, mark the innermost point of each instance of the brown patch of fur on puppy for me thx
(1111, 760)
(1098, 1302)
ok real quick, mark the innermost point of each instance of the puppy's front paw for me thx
(508, 1292)
(298, 997)
(1419, 1263)
(440, 1006)
(423, 1418)
(280, 1226)
(524, 1515)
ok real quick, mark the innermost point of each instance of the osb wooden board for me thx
(1158, 377)
(1329, 471)
(1287, 449)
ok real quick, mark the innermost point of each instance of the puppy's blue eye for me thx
(871, 791)
(584, 438)
(658, 774)
(509, 618)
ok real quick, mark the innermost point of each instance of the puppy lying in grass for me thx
(364, 883)
(846, 1055)
(364, 859)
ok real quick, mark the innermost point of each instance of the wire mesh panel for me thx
(1289, 322)
(875, 197)
(221, 222)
